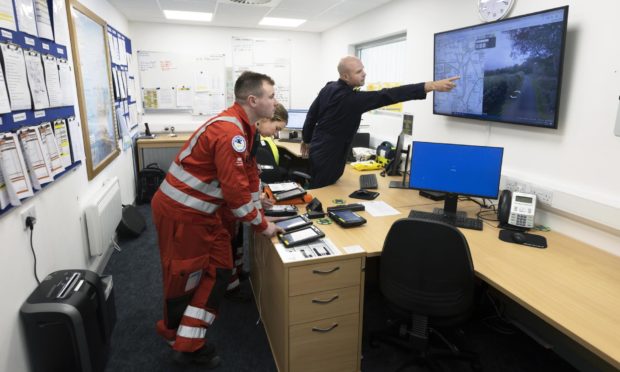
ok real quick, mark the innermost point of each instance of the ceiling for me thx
(321, 15)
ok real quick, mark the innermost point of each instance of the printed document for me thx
(14, 169)
(52, 80)
(25, 17)
(36, 80)
(7, 19)
(49, 143)
(16, 81)
(5, 105)
(43, 20)
(35, 155)
(61, 132)
(66, 82)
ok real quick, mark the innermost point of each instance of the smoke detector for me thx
(251, 2)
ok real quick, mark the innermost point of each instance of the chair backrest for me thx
(270, 171)
(426, 269)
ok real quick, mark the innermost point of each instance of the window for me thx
(384, 62)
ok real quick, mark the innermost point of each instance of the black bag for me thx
(149, 180)
(132, 223)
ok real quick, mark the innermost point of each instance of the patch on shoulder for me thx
(238, 143)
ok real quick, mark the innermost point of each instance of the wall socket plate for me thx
(29, 211)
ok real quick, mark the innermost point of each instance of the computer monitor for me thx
(394, 166)
(296, 119)
(456, 170)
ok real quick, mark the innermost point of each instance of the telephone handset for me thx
(516, 209)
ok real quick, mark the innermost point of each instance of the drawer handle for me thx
(327, 271)
(323, 330)
(319, 301)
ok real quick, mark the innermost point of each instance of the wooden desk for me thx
(162, 149)
(292, 147)
(571, 286)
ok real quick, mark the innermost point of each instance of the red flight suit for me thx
(213, 170)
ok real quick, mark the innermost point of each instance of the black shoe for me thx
(243, 275)
(205, 356)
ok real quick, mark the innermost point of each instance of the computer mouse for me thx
(519, 237)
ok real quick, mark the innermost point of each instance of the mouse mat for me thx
(532, 240)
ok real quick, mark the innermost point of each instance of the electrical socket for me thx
(28, 212)
(543, 196)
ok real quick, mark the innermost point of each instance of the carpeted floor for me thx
(241, 341)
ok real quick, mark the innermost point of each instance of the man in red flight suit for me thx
(213, 170)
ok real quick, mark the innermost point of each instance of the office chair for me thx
(285, 171)
(427, 278)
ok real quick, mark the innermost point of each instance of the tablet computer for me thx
(290, 194)
(281, 211)
(305, 235)
(346, 218)
(294, 223)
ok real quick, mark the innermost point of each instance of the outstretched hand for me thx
(305, 150)
(444, 85)
(272, 229)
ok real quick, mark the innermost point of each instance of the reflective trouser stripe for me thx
(200, 314)
(232, 285)
(191, 332)
(194, 139)
(186, 199)
(211, 189)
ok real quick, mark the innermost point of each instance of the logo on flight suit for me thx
(238, 143)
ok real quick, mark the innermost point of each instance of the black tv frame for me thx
(481, 117)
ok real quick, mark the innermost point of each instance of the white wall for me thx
(578, 161)
(59, 237)
(305, 52)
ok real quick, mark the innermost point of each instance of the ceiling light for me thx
(188, 16)
(281, 22)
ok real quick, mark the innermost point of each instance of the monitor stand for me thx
(403, 184)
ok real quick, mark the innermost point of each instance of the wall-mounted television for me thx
(511, 70)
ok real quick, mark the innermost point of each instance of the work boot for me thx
(206, 356)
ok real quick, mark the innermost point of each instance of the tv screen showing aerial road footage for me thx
(511, 70)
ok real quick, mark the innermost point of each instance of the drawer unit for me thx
(311, 310)
(325, 345)
(315, 306)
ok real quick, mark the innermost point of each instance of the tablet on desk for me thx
(346, 218)
(305, 235)
(294, 223)
(281, 210)
(290, 194)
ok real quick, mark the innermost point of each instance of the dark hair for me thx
(280, 114)
(250, 83)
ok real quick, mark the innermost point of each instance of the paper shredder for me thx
(68, 321)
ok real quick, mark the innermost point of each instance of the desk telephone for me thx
(516, 209)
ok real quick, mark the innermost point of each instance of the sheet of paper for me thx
(43, 20)
(150, 98)
(319, 249)
(16, 80)
(25, 17)
(52, 81)
(75, 135)
(49, 143)
(207, 103)
(65, 75)
(61, 132)
(379, 208)
(131, 87)
(5, 104)
(122, 52)
(7, 19)
(166, 98)
(36, 157)
(61, 27)
(353, 249)
(185, 96)
(14, 169)
(36, 80)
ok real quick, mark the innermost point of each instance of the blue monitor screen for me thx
(456, 169)
(511, 70)
(296, 119)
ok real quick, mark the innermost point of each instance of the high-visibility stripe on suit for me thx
(213, 171)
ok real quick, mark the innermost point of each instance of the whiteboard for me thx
(182, 81)
(266, 56)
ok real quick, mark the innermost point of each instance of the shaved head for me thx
(351, 71)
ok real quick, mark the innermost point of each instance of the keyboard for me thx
(459, 221)
(368, 181)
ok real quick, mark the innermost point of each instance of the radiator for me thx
(103, 213)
